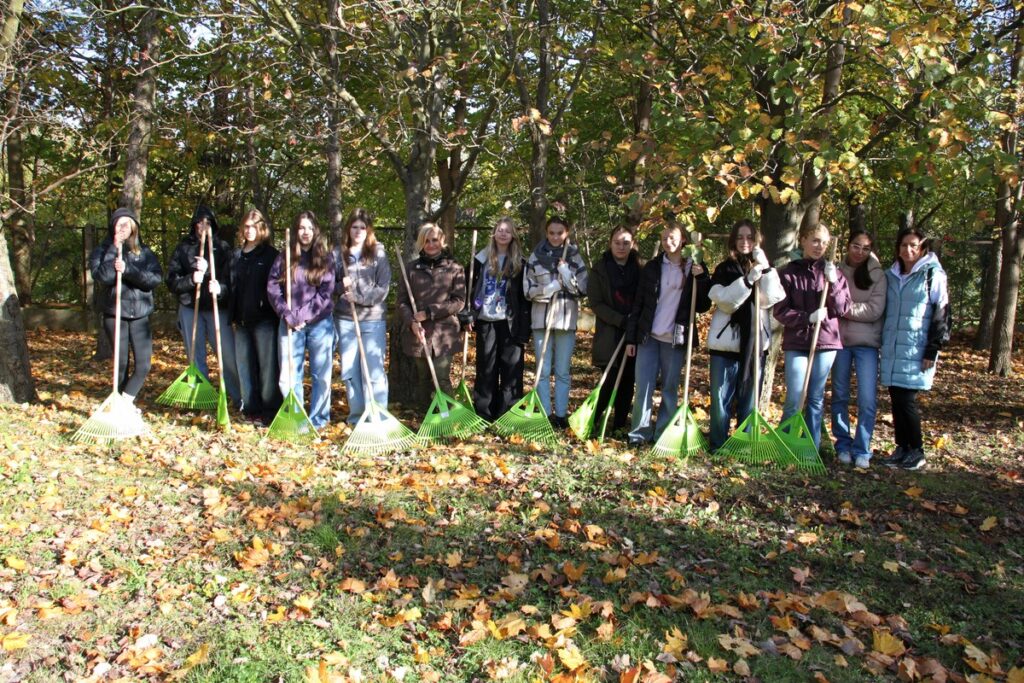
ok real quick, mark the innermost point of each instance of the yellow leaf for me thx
(989, 524)
(887, 644)
(718, 666)
(277, 616)
(1015, 675)
(605, 631)
(15, 640)
(914, 491)
(891, 566)
(676, 643)
(453, 559)
(807, 538)
(305, 603)
(741, 668)
(571, 658)
(15, 563)
(353, 585)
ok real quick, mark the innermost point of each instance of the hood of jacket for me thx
(203, 211)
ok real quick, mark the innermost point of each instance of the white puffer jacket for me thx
(727, 298)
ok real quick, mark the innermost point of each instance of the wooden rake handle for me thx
(697, 240)
(216, 310)
(469, 306)
(117, 321)
(359, 336)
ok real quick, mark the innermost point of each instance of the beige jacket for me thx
(862, 326)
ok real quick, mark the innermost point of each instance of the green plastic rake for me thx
(527, 418)
(446, 418)
(755, 442)
(377, 432)
(291, 422)
(611, 400)
(191, 390)
(582, 419)
(682, 437)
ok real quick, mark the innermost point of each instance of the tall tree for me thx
(136, 153)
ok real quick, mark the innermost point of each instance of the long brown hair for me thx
(745, 260)
(318, 252)
(262, 229)
(363, 216)
(514, 257)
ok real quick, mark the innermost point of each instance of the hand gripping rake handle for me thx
(195, 308)
(117, 321)
(696, 238)
(423, 335)
(367, 386)
(216, 312)
(469, 306)
(814, 337)
(548, 320)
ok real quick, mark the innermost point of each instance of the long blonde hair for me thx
(514, 257)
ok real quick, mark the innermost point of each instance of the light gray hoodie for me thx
(370, 282)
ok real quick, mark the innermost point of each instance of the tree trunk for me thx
(21, 225)
(1008, 201)
(642, 108)
(857, 213)
(332, 150)
(16, 383)
(143, 104)
(989, 294)
(538, 187)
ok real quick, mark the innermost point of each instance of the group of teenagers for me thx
(865, 321)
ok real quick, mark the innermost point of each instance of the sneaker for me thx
(637, 441)
(897, 457)
(914, 460)
(844, 457)
(862, 462)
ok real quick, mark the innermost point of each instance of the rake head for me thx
(448, 419)
(795, 433)
(755, 443)
(528, 419)
(582, 419)
(291, 422)
(464, 396)
(115, 419)
(223, 419)
(378, 432)
(682, 437)
(191, 390)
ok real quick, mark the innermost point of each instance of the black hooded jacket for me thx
(183, 264)
(141, 274)
(249, 275)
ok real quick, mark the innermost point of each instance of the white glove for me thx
(200, 264)
(831, 274)
(754, 274)
(197, 276)
(818, 315)
(551, 287)
(760, 258)
(565, 272)
(214, 288)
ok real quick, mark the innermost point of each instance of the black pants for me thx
(623, 398)
(906, 417)
(499, 369)
(138, 336)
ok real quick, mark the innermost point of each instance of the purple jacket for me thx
(310, 304)
(803, 281)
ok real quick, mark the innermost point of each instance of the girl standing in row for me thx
(555, 284)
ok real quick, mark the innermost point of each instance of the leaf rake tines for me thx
(528, 420)
(682, 437)
(378, 432)
(448, 419)
(191, 390)
(755, 443)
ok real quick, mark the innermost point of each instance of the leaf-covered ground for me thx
(201, 556)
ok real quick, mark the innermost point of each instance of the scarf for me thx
(622, 280)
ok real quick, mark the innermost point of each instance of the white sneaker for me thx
(845, 458)
(863, 462)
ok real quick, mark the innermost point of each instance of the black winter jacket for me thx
(249, 273)
(182, 265)
(141, 276)
(641, 319)
(611, 308)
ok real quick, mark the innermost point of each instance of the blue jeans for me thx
(374, 334)
(655, 357)
(864, 361)
(206, 334)
(796, 367)
(318, 339)
(725, 389)
(258, 368)
(560, 345)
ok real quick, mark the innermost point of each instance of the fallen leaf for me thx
(15, 640)
(989, 524)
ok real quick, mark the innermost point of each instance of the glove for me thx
(831, 274)
(198, 276)
(214, 288)
(551, 287)
(819, 315)
(201, 265)
(760, 258)
(465, 317)
(754, 274)
(565, 272)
